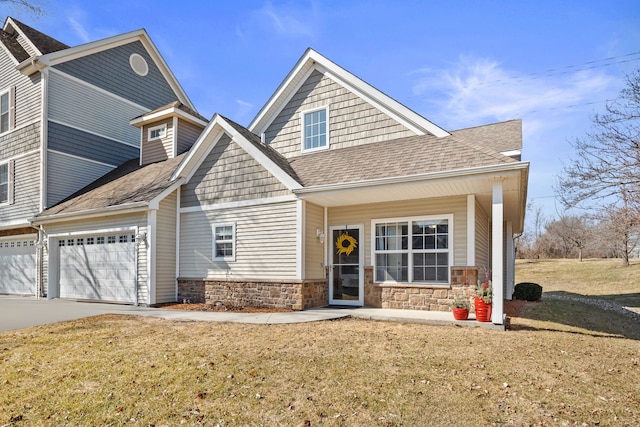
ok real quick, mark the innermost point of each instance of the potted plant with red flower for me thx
(483, 299)
(460, 310)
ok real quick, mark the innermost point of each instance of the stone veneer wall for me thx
(294, 295)
(419, 297)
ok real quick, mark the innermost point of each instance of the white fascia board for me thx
(210, 137)
(164, 114)
(17, 28)
(500, 170)
(511, 153)
(312, 60)
(91, 213)
(155, 202)
(5, 225)
(141, 35)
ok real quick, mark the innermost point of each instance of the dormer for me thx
(168, 131)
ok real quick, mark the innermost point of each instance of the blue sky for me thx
(458, 63)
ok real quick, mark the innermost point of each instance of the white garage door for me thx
(17, 266)
(98, 268)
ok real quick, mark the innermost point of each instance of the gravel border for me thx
(603, 304)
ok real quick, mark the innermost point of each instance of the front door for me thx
(346, 277)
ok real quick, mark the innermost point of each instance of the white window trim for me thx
(302, 139)
(376, 221)
(162, 128)
(10, 185)
(11, 91)
(233, 241)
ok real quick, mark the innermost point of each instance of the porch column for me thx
(511, 262)
(497, 253)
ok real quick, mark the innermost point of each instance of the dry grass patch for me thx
(116, 370)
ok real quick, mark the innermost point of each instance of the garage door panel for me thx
(98, 267)
(18, 267)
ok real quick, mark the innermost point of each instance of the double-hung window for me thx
(315, 129)
(6, 110)
(413, 250)
(4, 183)
(224, 242)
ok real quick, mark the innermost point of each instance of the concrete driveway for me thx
(17, 312)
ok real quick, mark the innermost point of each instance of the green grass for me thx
(560, 363)
(596, 278)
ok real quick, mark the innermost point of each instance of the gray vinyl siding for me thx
(166, 250)
(314, 249)
(83, 107)
(188, 134)
(159, 149)
(352, 121)
(265, 243)
(230, 174)
(19, 141)
(94, 225)
(77, 174)
(363, 214)
(92, 147)
(482, 237)
(110, 70)
(26, 189)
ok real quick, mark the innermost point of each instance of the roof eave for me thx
(90, 213)
(164, 114)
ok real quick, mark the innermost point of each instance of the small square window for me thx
(111, 239)
(99, 240)
(157, 132)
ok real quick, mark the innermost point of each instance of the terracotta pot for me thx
(483, 310)
(460, 313)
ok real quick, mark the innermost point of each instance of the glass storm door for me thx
(346, 277)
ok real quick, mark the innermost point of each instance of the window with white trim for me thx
(315, 129)
(413, 250)
(156, 132)
(5, 181)
(224, 241)
(6, 110)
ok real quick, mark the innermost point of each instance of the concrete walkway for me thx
(23, 312)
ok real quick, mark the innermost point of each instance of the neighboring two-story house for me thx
(334, 194)
(65, 117)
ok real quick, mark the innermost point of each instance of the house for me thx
(65, 121)
(334, 194)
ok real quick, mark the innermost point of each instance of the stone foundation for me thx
(294, 295)
(432, 298)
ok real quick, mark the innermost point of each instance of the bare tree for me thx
(605, 176)
(30, 6)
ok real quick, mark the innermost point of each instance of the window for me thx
(4, 183)
(6, 110)
(157, 132)
(413, 250)
(315, 130)
(224, 242)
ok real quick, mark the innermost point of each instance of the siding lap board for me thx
(77, 174)
(166, 250)
(26, 191)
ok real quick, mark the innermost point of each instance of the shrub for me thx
(527, 291)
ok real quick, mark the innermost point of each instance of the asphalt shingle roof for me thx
(13, 46)
(43, 42)
(128, 183)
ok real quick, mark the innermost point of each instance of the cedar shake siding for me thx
(352, 121)
(110, 70)
(229, 174)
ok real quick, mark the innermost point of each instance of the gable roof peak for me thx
(310, 61)
(41, 42)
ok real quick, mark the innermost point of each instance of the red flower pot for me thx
(460, 313)
(483, 310)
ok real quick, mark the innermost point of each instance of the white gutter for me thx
(503, 170)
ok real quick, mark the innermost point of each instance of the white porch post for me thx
(497, 253)
(511, 262)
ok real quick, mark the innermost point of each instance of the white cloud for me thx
(80, 30)
(479, 90)
(287, 20)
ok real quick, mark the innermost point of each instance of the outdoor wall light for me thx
(141, 238)
(320, 235)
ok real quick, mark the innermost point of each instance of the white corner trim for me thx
(471, 230)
